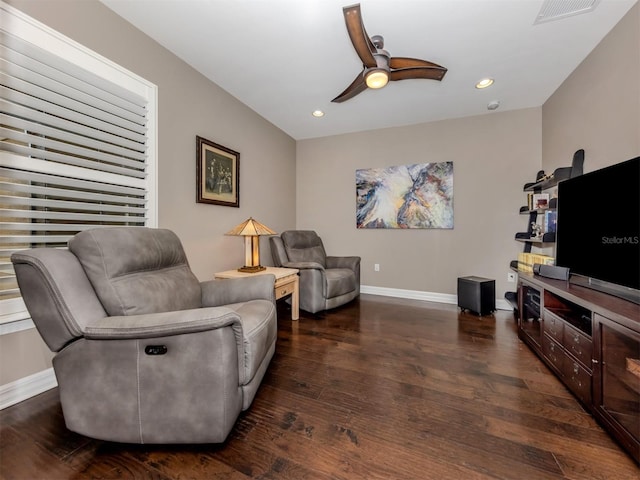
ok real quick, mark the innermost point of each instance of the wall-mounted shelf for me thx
(559, 174)
(548, 239)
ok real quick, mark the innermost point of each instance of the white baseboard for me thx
(501, 304)
(27, 387)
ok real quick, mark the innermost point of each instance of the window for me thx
(77, 145)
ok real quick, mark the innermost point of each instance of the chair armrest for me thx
(162, 324)
(236, 290)
(303, 265)
(343, 262)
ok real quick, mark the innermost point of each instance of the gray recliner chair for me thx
(145, 352)
(325, 282)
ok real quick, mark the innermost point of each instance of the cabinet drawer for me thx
(554, 326)
(578, 379)
(552, 350)
(578, 344)
(284, 290)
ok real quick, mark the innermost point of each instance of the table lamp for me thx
(251, 231)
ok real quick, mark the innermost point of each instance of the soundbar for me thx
(551, 271)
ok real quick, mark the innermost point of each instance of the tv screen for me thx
(598, 229)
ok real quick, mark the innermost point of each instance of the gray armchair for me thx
(145, 352)
(325, 282)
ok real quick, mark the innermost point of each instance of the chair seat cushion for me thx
(340, 281)
(259, 331)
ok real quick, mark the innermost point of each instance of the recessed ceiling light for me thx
(484, 83)
(317, 113)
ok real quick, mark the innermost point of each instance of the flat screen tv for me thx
(598, 229)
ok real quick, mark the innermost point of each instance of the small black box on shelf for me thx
(477, 294)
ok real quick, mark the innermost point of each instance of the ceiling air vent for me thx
(558, 9)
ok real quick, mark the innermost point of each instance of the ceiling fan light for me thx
(376, 78)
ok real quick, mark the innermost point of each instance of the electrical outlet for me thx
(511, 277)
(376, 267)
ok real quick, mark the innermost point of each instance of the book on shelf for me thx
(523, 263)
(550, 221)
(526, 261)
(540, 201)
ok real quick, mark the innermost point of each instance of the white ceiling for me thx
(286, 58)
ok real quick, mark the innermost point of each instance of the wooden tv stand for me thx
(591, 341)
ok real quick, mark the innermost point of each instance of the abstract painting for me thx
(407, 196)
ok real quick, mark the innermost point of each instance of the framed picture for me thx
(217, 174)
(540, 201)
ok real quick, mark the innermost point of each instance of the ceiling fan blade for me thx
(430, 73)
(356, 87)
(404, 62)
(361, 41)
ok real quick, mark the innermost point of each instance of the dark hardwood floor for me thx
(383, 388)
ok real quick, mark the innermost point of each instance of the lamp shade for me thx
(250, 227)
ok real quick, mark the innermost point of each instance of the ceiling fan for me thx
(378, 66)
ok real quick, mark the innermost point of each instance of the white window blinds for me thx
(77, 145)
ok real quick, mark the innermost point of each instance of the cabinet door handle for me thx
(576, 369)
(594, 361)
(576, 339)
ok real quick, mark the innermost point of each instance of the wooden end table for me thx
(286, 284)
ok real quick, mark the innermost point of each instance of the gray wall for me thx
(188, 105)
(493, 156)
(597, 109)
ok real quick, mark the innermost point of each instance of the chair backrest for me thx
(278, 253)
(304, 246)
(137, 270)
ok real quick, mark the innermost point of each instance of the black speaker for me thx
(551, 271)
(477, 294)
